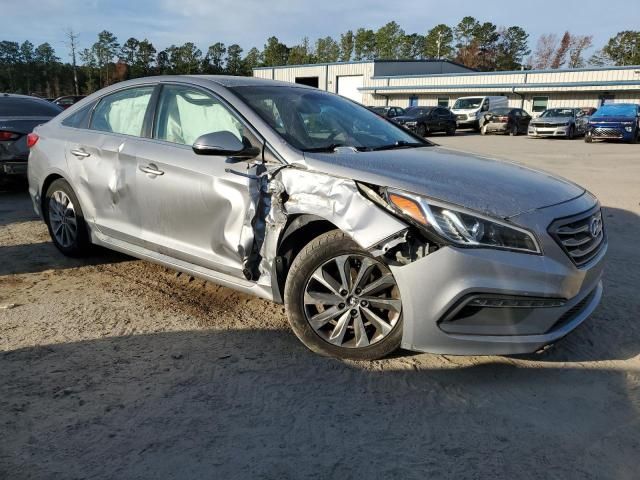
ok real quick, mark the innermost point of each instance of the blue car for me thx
(615, 121)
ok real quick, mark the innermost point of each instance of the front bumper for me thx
(435, 285)
(548, 131)
(469, 123)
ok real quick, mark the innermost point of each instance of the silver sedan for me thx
(371, 236)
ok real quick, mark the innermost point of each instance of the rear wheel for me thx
(65, 220)
(341, 301)
(451, 130)
(422, 130)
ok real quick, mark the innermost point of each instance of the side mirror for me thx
(224, 144)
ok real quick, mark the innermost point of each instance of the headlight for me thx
(629, 129)
(463, 228)
(411, 123)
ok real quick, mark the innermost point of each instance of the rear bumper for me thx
(497, 127)
(438, 284)
(18, 168)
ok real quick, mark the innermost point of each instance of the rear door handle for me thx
(80, 153)
(151, 169)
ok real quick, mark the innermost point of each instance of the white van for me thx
(469, 110)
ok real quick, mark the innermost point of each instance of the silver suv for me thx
(371, 236)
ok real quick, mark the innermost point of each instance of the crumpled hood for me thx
(492, 187)
(540, 120)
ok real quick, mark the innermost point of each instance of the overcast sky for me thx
(250, 22)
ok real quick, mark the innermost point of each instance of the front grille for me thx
(606, 132)
(581, 236)
(549, 125)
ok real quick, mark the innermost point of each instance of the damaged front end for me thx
(292, 205)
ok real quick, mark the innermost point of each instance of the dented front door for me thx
(192, 208)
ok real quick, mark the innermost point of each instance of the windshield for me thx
(378, 110)
(616, 110)
(467, 103)
(312, 120)
(559, 112)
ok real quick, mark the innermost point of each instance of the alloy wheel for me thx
(62, 217)
(352, 301)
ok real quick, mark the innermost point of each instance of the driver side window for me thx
(186, 113)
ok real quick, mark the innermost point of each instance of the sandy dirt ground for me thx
(112, 367)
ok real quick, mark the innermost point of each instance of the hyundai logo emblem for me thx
(595, 227)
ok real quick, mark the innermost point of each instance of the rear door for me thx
(102, 162)
(194, 207)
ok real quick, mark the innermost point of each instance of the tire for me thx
(588, 138)
(422, 130)
(65, 220)
(513, 131)
(634, 139)
(339, 335)
(451, 131)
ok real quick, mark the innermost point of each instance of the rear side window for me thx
(186, 113)
(122, 112)
(79, 119)
(27, 107)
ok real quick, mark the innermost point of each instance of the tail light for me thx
(32, 139)
(6, 136)
(503, 119)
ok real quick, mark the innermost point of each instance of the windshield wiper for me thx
(327, 148)
(399, 144)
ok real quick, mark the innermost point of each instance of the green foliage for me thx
(25, 68)
(439, 43)
(623, 48)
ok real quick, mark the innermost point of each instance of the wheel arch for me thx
(297, 233)
(52, 177)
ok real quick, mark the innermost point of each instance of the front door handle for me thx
(80, 153)
(151, 169)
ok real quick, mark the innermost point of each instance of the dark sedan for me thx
(426, 120)
(19, 115)
(388, 112)
(506, 120)
(68, 100)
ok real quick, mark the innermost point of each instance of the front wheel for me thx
(341, 301)
(588, 138)
(422, 130)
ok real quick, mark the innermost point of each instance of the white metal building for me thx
(431, 82)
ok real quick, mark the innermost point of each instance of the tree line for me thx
(25, 68)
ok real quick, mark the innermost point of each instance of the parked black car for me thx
(388, 112)
(505, 120)
(426, 120)
(68, 100)
(19, 115)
